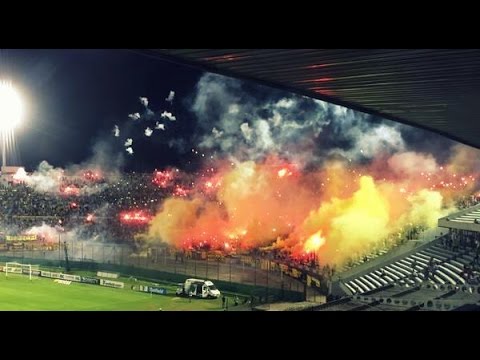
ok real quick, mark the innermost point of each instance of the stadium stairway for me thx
(409, 270)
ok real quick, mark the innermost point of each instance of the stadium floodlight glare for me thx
(11, 108)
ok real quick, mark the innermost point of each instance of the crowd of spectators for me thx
(93, 210)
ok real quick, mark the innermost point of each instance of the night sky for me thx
(75, 97)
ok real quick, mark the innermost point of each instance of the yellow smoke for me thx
(338, 211)
(174, 219)
(349, 225)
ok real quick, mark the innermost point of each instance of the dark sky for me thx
(74, 97)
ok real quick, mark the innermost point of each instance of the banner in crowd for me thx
(32, 237)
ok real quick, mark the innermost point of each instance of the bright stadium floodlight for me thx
(11, 112)
(11, 109)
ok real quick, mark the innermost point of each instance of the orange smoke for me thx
(337, 211)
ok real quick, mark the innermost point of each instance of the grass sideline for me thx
(258, 292)
(17, 292)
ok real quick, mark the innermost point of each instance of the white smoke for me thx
(171, 96)
(252, 126)
(246, 131)
(134, 116)
(264, 136)
(76, 239)
(368, 140)
(129, 142)
(285, 103)
(148, 132)
(216, 133)
(46, 178)
(104, 160)
(409, 163)
(116, 131)
(143, 101)
(48, 233)
(20, 175)
(168, 115)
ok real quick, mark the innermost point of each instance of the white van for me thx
(198, 288)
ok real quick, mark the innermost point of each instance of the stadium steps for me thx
(438, 279)
(434, 254)
(454, 277)
(387, 278)
(457, 264)
(360, 285)
(367, 283)
(442, 272)
(464, 260)
(445, 252)
(401, 270)
(468, 256)
(420, 259)
(420, 265)
(448, 271)
(394, 273)
(406, 267)
(403, 274)
(454, 266)
(350, 287)
(373, 281)
(423, 256)
(437, 259)
(432, 250)
(378, 278)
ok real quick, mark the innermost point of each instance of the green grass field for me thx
(17, 292)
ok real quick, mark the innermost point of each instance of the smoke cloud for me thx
(168, 115)
(170, 96)
(134, 116)
(116, 131)
(143, 101)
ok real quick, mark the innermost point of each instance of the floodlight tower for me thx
(11, 112)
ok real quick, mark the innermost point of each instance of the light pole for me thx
(59, 252)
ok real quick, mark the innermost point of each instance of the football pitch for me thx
(17, 292)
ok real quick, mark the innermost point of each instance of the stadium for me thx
(241, 197)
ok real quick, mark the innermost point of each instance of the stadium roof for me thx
(435, 89)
